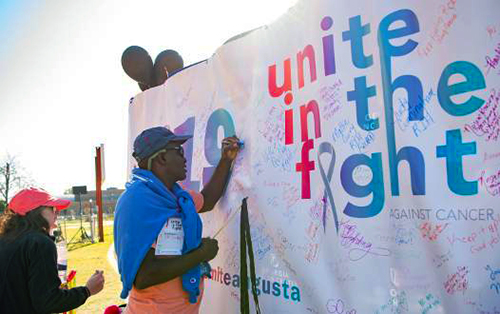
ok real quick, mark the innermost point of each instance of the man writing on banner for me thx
(161, 255)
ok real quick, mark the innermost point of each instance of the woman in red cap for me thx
(29, 281)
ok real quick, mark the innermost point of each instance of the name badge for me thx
(171, 238)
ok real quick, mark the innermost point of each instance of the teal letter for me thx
(453, 152)
(285, 289)
(355, 35)
(474, 80)
(276, 289)
(295, 294)
(375, 187)
(218, 118)
(360, 95)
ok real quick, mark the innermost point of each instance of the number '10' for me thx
(218, 118)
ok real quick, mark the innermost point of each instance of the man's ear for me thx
(161, 159)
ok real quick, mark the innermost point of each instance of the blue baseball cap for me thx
(154, 139)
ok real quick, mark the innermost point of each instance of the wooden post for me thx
(98, 191)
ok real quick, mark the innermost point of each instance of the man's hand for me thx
(230, 148)
(209, 248)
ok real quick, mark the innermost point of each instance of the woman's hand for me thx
(96, 282)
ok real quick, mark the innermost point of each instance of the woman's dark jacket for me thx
(29, 281)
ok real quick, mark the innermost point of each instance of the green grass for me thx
(85, 259)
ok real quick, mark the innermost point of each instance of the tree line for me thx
(12, 178)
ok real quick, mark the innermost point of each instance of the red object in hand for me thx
(71, 275)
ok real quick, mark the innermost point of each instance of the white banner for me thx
(371, 160)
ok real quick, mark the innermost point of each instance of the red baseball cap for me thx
(28, 199)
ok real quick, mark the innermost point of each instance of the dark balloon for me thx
(168, 61)
(143, 87)
(138, 65)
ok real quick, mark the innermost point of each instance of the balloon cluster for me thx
(137, 63)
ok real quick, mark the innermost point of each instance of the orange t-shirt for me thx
(167, 297)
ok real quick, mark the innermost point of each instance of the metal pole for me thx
(65, 229)
(81, 211)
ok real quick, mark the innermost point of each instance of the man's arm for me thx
(156, 269)
(213, 190)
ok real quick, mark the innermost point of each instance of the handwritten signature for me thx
(457, 281)
(492, 63)
(431, 232)
(487, 121)
(356, 242)
(491, 182)
(338, 307)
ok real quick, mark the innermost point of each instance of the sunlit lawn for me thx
(85, 258)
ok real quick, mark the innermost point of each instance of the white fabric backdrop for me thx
(427, 247)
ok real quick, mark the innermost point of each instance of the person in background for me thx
(161, 255)
(29, 281)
